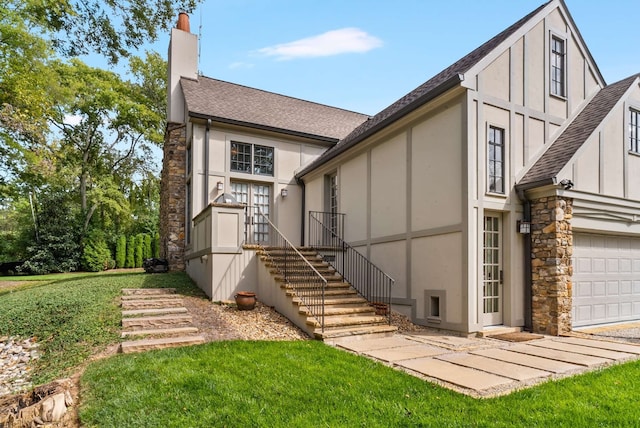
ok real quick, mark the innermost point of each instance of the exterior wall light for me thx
(220, 185)
(284, 193)
(524, 227)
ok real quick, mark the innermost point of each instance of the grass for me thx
(72, 315)
(309, 384)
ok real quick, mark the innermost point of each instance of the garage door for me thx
(606, 279)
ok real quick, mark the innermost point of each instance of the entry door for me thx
(258, 197)
(492, 270)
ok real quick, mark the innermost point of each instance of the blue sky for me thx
(362, 55)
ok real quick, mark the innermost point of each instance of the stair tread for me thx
(159, 331)
(167, 342)
(377, 329)
(134, 291)
(331, 311)
(339, 320)
(155, 311)
(150, 297)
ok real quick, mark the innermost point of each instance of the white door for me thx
(606, 279)
(492, 270)
(257, 196)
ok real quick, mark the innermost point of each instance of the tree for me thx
(109, 28)
(121, 251)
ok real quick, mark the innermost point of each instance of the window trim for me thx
(552, 55)
(250, 166)
(503, 161)
(633, 142)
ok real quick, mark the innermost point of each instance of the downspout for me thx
(206, 164)
(302, 217)
(528, 280)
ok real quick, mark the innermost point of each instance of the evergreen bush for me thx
(146, 254)
(156, 245)
(121, 251)
(131, 246)
(96, 255)
(139, 250)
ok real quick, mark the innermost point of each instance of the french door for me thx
(492, 270)
(258, 197)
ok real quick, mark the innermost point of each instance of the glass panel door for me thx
(258, 197)
(492, 271)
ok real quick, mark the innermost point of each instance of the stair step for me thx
(156, 321)
(132, 291)
(154, 311)
(159, 331)
(162, 296)
(341, 310)
(370, 331)
(347, 321)
(169, 342)
(341, 292)
(306, 285)
(151, 303)
(338, 300)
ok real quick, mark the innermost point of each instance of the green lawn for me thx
(271, 384)
(309, 384)
(72, 315)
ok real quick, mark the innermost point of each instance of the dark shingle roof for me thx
(438, 84)
(565, 146)
(232, 103)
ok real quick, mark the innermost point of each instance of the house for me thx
(504, 191)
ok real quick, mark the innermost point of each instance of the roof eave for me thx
(445, 86)
(535, 184)
(320, 138)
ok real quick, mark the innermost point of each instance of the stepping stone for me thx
(584, 350)
(160, 331)
(545, 364)
(151, 303)
(148, 344)
(602, 344)
(157, 321)
(154, 311)
(455, 374)
(567, 357)
(363, 345)
(150, 297)
(500, 368)
(393, 355)
(133, 291)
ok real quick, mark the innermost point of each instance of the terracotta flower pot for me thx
(246, 300)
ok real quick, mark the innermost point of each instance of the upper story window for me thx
(558, 67)
(251, 158)
(495, 160)
(634, 131)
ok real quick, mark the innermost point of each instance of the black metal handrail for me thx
(291, 265)
(366, 278)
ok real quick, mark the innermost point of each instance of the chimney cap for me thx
(183, 22)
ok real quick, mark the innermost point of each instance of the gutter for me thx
(445, 86)
(303, 205)
(206, 163)
(329, 140)
(528, 274)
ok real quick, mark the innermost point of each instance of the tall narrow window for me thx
(496, 160)
(634, 131)
(558, 67)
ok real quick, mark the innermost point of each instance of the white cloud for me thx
(242, 65)
(336, 42)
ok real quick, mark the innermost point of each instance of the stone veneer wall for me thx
(551, 268)
(173, 196)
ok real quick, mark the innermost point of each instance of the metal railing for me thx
(366, 278)
(291, 265)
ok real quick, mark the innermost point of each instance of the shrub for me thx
(131, 260)
(138, 253)
(96, 255)
(146, 253)
(156, 245)
(121, 251)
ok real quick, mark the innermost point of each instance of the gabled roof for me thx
(236, 104)
(560, 152)
(437, 85)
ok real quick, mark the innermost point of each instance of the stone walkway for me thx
(485, 367)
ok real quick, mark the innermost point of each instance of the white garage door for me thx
(606, 279)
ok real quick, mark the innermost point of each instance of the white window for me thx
(558, 67)
(251, 158)
(495, 160)
(634, 131)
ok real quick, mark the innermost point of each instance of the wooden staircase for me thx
(346, 313)
(158, 316)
